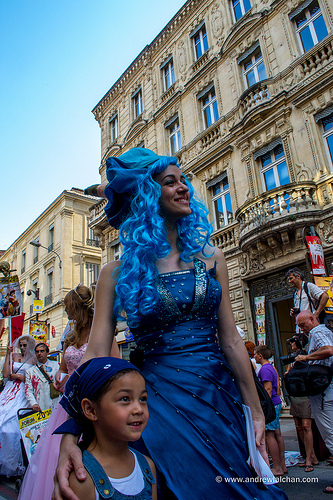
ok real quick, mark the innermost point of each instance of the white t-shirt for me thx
(130, 485)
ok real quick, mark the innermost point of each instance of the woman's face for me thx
(23, 346)
(174, 200)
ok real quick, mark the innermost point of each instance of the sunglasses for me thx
(75, 290)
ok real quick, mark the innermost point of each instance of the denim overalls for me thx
(104, 486)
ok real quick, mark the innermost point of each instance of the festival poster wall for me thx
(10, 297)
(38, 330)
(259, 306)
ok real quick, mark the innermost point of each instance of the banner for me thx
(10, 297)
(38, 329)
(31, 427)
(316, 255)
(259, 306)
(37, 306)
(17, 326)
(326, 284)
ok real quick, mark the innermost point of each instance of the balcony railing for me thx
(168, 93)
(227, 237)
(48, 300)
(211, 137)
(255, 95)
(289, 200)
(93, 242)
(200, 62)
(317, 58)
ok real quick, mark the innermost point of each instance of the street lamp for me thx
(36, 243)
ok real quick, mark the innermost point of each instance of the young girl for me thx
(107, 398)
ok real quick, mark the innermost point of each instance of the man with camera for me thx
(307, 296)
(320, 352)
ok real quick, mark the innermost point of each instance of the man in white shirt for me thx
(37, 387)
(307, 296)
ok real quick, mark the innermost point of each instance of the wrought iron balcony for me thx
(277, 209)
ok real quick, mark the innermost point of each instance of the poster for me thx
(326, 284)
(31, 427)
(10, 297)
(38, 329)
(259, 307)
(316, 255)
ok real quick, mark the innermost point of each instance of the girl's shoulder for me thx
(212, 255)
(84, 490)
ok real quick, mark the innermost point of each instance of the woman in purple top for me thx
(274, 440)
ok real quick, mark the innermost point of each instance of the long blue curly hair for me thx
(144, 237)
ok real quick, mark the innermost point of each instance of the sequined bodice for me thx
(188, 302)
(73, 357)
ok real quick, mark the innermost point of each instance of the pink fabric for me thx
(38, 480)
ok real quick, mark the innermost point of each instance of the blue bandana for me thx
(123, 173)
(84, 383)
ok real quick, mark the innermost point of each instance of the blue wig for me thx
(144, 237)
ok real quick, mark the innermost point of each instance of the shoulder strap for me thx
(98, 475)
(306, 290)
(144, 466)
(45, 374)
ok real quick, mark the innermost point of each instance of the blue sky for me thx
(58, 59)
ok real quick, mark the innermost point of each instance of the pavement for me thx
(298, 485)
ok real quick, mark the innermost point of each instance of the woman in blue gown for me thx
(173, 286)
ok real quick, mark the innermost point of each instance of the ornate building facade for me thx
(69, 254)
(242, 93)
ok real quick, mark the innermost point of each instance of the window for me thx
(35, 258)
(137, 102)
(48, 297)
(200, 41)
(92, 273)
(113, 127)
(91, 239)
(253, 67)
(310, 24)
(210, 113)
(221, 200)
(51, 237)
(116, 252)
(23, 261)
(274, 169)
(168, 73)
(240, 7)
(173, 129)
(327, 124)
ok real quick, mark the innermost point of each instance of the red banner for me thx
(17, 326)
(316, 255)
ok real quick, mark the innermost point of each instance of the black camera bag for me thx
(305, 379)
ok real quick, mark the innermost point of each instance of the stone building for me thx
(242, 93)
(69, 254)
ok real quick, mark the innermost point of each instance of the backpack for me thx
(305, 379)
(267, 404)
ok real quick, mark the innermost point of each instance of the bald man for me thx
(320, 352)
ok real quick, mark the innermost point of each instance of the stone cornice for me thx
(168, 32)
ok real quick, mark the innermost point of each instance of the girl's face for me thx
(174, 200)
(122, 412)
(69, 312)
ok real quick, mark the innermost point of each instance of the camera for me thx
(300, 340)
(296, 311)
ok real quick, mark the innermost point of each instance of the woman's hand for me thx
(70, 457)
(259, 434)
(9, 349)
(60, 380)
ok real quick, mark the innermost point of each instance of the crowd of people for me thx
(192, 369)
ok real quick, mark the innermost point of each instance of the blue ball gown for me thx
(196, 432)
